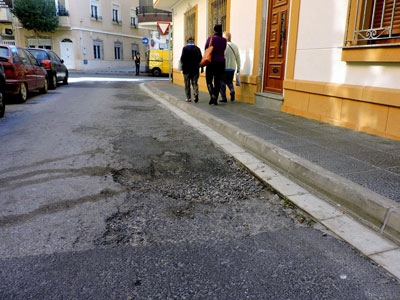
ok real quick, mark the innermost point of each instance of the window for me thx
(24, 57)
(133, 18)
(32, 58)
(54, 57)
(94, 9)
(373, 23)
(117, 50)
(135, 49)
(97, 50)
(39, 54)
(115, 14)
(40, 43)
(216, 14)
(191, 23)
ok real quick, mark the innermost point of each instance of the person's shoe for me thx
(196, 98)
(233, 97)
(211, 101)
(188, 100)
(223, 100)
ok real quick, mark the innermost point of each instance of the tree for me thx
(36, 15)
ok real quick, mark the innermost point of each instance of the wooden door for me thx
(275, 54)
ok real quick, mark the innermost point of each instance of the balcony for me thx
(151, 14)
(63, 17)
(117, 22)
(96, 18)
(5, 15)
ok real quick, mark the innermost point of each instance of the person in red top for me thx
(216, 68)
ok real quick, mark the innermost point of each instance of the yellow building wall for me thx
(362, 108)
(243, 93)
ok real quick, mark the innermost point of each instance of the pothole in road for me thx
(170, 201)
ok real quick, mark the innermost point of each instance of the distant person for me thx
(137, 62)
(232, 64)
(215, 70)
(190, 59)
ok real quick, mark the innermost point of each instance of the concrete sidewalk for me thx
(358, 171)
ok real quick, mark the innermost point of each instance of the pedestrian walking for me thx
(137, 62)
(232, 64)
(190, 60)
(216, 68)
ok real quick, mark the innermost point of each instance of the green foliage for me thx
(36, 15)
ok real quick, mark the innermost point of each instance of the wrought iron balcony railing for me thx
(374, 20)
(62, 12)
(150, 10)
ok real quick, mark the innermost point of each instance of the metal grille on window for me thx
(217, 15)
(190, 23)
(375, 20)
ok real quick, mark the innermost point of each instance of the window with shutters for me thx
(217, 14)
(97, 50)
(373, 23)
(118, 50)
(191, 24)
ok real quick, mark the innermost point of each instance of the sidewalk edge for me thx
(376, 211)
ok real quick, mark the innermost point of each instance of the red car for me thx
(23, 73)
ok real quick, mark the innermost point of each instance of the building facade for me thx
(336, 61)
(92, 34)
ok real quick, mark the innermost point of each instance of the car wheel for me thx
(53, 82)
(45, 87)
(2, 105)
(156, 72)
(65, 81)
(23, 93)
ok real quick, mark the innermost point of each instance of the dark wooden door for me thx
(275, 54)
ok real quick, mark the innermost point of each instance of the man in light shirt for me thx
(232, 64)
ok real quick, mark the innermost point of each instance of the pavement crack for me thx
(47, 161)
(57, 207)
(6, 183)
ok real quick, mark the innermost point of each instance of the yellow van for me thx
(158, 62)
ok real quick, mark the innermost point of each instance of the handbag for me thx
(207, 57)
(180, 68)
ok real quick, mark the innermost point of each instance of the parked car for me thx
(56, 70)
(23, 73)
(2, 88)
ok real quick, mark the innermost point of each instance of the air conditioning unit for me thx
(8, 31)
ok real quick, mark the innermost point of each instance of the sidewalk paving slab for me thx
(357, 170)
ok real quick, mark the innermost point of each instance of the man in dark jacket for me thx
(190, 59)
(216, 69)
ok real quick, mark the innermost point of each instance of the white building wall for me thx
(322, 27)
(242, 27)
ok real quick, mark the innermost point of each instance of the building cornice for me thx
(106, 32)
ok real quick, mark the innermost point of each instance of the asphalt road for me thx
(104, 194)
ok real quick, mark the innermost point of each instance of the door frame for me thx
(268, 14)
(73, 49)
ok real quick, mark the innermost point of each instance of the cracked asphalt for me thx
(105, 194)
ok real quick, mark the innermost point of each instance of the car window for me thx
(39, 55)
(32, 58)
(15, 57)
(54, 57)
(24, 58)
(4, 52)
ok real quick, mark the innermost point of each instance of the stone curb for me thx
(378, 212)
